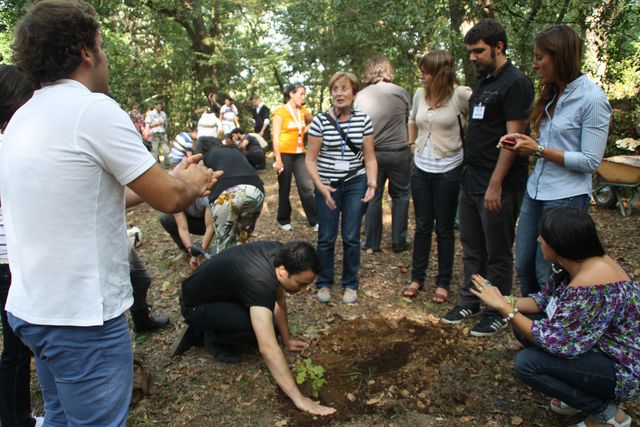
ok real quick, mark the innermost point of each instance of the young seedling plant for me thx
(307, 371)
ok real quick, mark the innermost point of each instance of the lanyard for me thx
(298, 121)
(343, 137)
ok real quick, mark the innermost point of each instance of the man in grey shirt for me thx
(388, 105)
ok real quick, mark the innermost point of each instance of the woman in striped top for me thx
(571, 119)
(342, 164)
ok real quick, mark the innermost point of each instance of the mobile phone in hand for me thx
(508, 142)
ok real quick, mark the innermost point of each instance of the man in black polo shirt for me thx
(494, 179)
(234, 298)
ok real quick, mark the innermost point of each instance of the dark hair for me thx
(439, 63)
(204, 144)
(254, 97)
(15, 90)
(377, 69)
(570, 231)
(293, 87)
(297, 257)
(488, 30)
(49, 38)
(563, 44)
(229, 98)
(237, 130)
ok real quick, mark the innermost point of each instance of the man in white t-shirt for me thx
(67, 156)
(157, 122)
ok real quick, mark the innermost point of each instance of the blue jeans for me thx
(85, 373)
(586, 383)
(435, 199)
(348, 197)
(533, 271)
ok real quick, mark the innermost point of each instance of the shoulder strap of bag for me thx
(335, 124)
(456, 107)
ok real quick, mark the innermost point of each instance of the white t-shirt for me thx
(157, 118)
(66, 157)
(208, 125)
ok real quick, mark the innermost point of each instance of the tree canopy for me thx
(179, 51)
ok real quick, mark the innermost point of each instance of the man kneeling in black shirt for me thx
(233, 299)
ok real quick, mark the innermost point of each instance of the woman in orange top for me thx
(290, 123)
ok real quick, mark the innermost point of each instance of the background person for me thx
(229, 116)
(260, 116)
(583, 346)
(250, 147)
(342, 164)
(235, 200)
(571, 118)
(439, 114)
(15, 362)
(196, 219)
(157, 122)
(388, 105)
(290, 123)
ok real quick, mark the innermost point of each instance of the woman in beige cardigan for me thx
(436, 127)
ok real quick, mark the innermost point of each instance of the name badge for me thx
(298, 150)
(341, 165)
(551, 307)
(478, 112)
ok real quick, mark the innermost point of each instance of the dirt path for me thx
(388, 361)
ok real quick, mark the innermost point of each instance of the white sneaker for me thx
(316, 227)
(286, 227)
(350, 296)
(39, 421)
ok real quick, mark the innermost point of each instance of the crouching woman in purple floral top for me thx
(584, 348)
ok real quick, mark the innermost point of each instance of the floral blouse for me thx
(604, 318)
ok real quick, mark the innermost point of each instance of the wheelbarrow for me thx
(615, 174)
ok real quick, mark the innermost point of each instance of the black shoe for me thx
(223, 353)
(401, 248)
(149, 324)
(488, 326)
(185, 340)
(458, 313)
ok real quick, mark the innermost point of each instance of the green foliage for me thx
(307, 371)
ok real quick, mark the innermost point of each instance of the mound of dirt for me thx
(375, 365)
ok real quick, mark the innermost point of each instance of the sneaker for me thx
(39, 421)
(488, 326)
(458, 313)
(324, 295)
(316, 227)
(349, 296)
(286, 227)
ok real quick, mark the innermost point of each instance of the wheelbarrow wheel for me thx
(604, 196)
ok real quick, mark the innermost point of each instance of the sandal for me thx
(559, 407)
(612, 421)
(411, 291)
(440, 297)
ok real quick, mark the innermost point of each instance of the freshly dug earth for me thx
(388, 360)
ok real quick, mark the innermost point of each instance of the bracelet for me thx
(511, 315)
(511, 300)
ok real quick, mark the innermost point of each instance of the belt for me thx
(392, 150)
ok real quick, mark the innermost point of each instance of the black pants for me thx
(140, 281)
(395, 167)
(256, 158)
(294, 165)
(196, 226)
(487, 241)
(221, 323)
(15, 369)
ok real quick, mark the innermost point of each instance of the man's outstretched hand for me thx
(314, 408)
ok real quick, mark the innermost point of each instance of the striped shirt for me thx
(336, 160)
(579, 127)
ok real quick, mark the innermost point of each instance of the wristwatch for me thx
(539, 150)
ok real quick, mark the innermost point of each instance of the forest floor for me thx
(387, 359)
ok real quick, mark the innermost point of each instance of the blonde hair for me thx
(377, 69)
(355, 85)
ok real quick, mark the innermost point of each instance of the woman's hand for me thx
(524, 144)
(278, 166)
(488, 294)
(326, 191)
